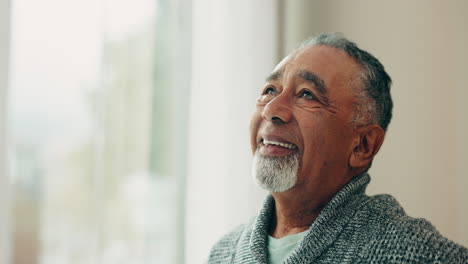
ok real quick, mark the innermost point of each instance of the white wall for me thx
(4, 180)
(423, 45)
(234, 48)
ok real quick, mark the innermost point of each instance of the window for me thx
(98, 112)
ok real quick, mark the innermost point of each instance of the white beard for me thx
(275, 174)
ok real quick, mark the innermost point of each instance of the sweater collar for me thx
(323, 231)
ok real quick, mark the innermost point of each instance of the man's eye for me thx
(307, 95)
(269, 90)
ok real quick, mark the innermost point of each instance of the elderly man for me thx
(320, 120)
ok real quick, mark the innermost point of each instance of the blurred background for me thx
(124, 124)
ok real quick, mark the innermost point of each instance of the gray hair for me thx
(373, 103)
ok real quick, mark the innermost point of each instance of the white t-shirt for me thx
(280, 249)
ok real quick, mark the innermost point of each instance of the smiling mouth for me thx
(269, 143)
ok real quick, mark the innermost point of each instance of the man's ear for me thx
(367, 145)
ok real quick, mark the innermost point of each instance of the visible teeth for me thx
(284, 145)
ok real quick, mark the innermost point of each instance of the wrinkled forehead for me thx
(332, 65)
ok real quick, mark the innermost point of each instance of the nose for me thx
(278, 110)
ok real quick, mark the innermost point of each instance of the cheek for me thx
(327, 141)
(254, 126)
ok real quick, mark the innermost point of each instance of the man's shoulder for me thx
(395, 237)
(230, 238)
(225, 247)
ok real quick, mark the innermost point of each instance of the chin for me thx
(275, 173)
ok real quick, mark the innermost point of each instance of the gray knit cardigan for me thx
(352, 228)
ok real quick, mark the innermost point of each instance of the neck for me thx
(296, 209)
(293, 215)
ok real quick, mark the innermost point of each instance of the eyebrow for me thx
(315, 80)
(305, 75)
(310, 77)
(274, 76)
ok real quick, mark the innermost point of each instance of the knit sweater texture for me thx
(352, 228)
